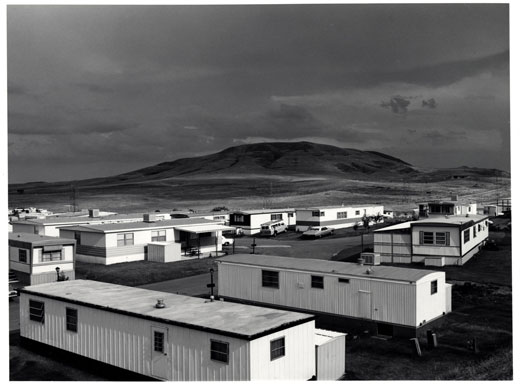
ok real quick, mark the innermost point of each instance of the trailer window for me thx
(466, 235)
(343, 280)
(72, 319)
(316, 281)
(341, 215)
(275, 217)
(37, 311)
(270, 279)
(22, 256)
(277, 348)
(158, 341)
(318, 213)
(238, 218)
(51, 256)
(158, 235)
(434, 287)
(125, 239)
(220, 351)
(474, 231)
(77, 237)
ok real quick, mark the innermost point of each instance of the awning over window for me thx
(52, 248)
(205, 228)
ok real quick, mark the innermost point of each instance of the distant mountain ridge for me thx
(281, 158)
(278, 159)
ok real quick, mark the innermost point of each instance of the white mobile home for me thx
(182, 339)
(447, 207)
(335, 217)
(34, 259)
(433, 241)
(50, 226)
(121, 242)
(250, 221)
(396, 300)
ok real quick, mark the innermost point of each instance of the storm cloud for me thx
(98, 90)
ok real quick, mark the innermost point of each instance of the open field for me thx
(257, 192)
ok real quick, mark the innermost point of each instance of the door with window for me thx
(365, 304)
(160, 357)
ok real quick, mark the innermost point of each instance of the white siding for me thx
(298, 362)
(391, 301)
(330, 359)
(126, 342)
(431, 306)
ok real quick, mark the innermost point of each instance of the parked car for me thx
(318, 232)
(227, 241)
(272, 228)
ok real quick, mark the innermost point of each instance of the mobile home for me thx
(168, 336)
(447, 207)
(250, 221)
(434, 241)
(121, 242)
(389, 300)
(335, 217)
(50, 226)
(36, 259)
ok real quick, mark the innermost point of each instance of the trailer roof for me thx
(230, 319)
(451, 220)
(60, 220)
(263, 211)
(36, 239)
(130, 226)
(338, 268)
(316, 208)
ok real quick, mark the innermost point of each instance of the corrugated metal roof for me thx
(264, 211)
(332, 267)
(181, 310)
(36, 239)
(124, 226)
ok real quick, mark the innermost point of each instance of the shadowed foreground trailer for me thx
(189, 339)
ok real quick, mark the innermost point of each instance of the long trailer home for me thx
(387, 300)
(433, 241)
(163, 241)
(250, 221)
(50, 226)
(168, 336)
(335, 217)
(34, 259)
(447, 207)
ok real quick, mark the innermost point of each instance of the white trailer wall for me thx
(298, 362)
(126, 342)
(387, 301)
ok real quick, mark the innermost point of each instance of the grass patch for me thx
(136, 273)
(480, 312)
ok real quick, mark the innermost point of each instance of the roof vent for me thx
(369, 271)
(455, 197)
(160, 304)
(149, 218)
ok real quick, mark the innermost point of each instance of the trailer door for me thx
(160, 358)
(365, 304)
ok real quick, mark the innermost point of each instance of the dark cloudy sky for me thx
(100, 90)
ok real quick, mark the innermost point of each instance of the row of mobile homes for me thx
(447, 207)
(335, 217)
(36, 259)
(222, 216)
(390, 300)
(50, 226)
(250, 221)
(121, 242)
(169, 336)
(434, 241)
